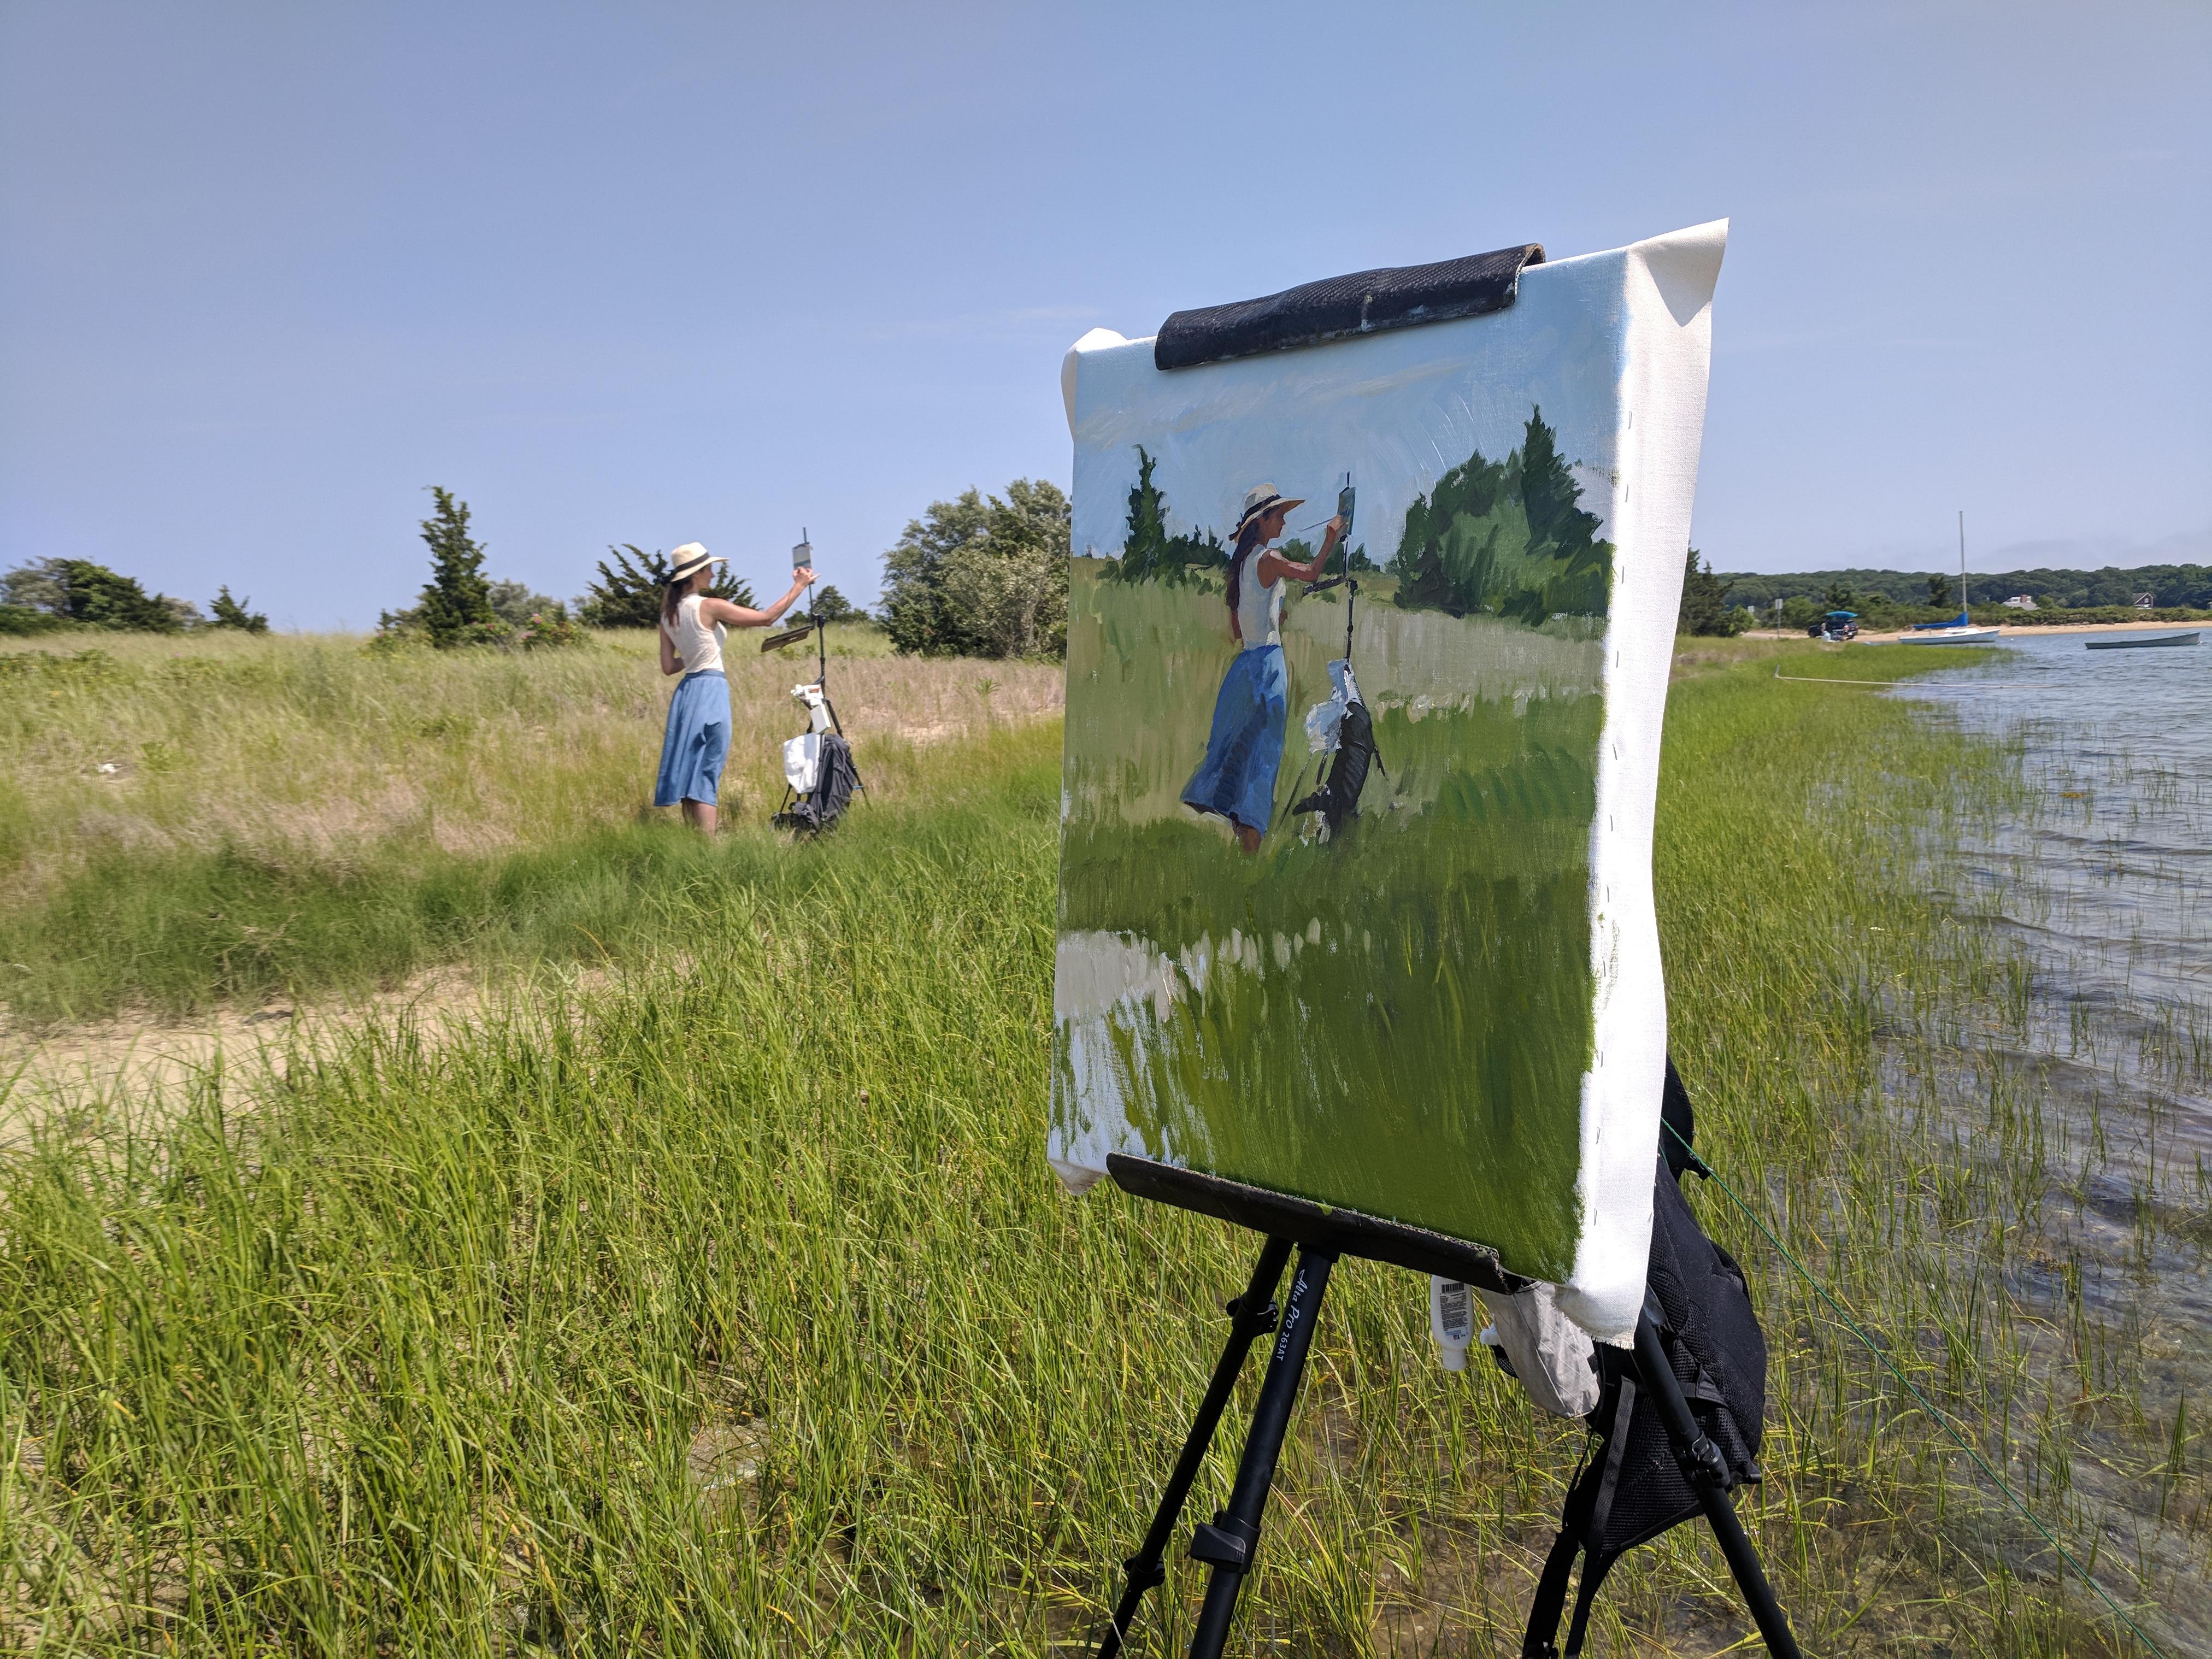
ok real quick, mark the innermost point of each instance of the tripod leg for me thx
(1231, 1543)
(1701, 1460)
(1251, 1317)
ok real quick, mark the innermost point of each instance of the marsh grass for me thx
(728, 1308)
(219, 818)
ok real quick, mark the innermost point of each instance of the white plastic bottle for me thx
(1451, 1321)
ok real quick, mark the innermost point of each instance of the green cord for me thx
(1926, 1404)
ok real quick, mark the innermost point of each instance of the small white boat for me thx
(1950, 634)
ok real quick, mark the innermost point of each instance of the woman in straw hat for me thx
(693, 624)
(1236, 779)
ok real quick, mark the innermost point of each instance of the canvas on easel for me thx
(1367, 648)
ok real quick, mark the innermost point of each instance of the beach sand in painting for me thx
(1402, 1012)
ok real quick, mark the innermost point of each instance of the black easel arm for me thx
(1707, 1470)
(1251, 1317)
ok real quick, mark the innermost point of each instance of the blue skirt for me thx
(697, 740)
(1236, 779)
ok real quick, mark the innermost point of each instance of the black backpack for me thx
(1336, 798)
(1631, 1487)
(834, 780)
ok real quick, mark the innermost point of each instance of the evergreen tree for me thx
(1939, 590)
(455, 608)
(831, 606)
(226, 613)
(1840, 597)
(1705, 610)
(627, 592)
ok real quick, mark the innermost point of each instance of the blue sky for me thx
(657, 272)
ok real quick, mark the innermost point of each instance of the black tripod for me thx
(819, 626)
(1230, 1544)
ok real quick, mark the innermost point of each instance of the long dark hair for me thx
(673, 595)
(1247, 539)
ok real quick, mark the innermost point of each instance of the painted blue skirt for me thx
(697, 740)
(1236, 779)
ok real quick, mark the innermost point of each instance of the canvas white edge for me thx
(1665, 369)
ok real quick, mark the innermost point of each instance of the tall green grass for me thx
(730, 1309)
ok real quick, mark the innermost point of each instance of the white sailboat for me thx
(1960, 629)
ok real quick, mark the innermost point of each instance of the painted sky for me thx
(657, 272)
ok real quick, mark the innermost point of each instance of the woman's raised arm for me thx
(1273, 567)
(738, 616)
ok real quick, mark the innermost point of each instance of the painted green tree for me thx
(1508, 538)
(1149, 553)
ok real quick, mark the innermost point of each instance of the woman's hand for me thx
(801, 580)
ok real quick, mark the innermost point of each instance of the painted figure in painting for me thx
(1236, 779)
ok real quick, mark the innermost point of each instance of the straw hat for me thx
(1261, 500)
(689, 560)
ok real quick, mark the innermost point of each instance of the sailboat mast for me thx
(1965, 610)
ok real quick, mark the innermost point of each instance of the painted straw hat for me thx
(1261, 500)
(689, 560)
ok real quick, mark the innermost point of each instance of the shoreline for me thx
(1891, 636)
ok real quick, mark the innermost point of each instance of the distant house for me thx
(2020, 602)
(2145, 601)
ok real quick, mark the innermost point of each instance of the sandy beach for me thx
(2025, 630)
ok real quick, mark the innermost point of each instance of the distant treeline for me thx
(2167, 584)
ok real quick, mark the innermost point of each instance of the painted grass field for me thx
(1313, 1006)
(725, 1305)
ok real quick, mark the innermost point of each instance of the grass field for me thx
(229, 816)
(727, 1306)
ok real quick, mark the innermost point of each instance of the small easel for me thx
(819, 626)
(817, 699)
(1229, 1543)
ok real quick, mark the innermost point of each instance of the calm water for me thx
(2101, 879)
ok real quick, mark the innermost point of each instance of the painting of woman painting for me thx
(1236, 779)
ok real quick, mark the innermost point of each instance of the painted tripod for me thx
(1229, 1543)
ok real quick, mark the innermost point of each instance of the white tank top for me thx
(1259, 609)
(697, 646)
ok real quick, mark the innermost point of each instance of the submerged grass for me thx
(730, 1308)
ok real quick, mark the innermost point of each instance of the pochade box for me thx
(1371, 617)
